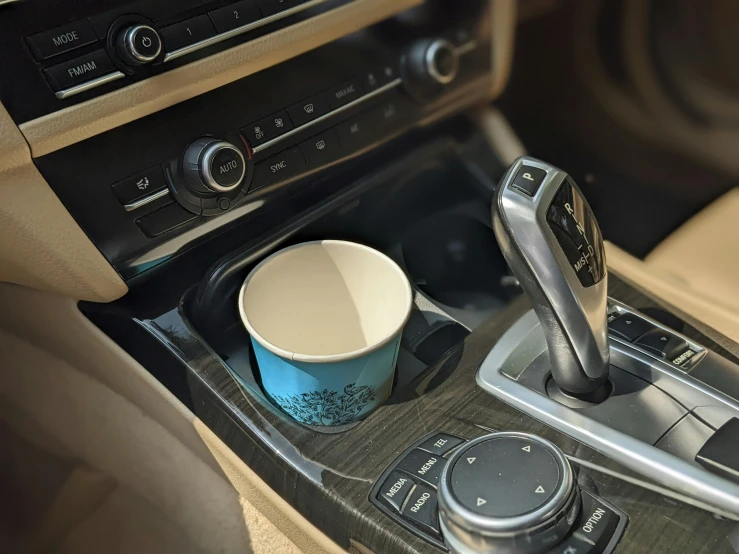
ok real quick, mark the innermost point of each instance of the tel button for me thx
(62, 39)
(396, 488)
(441, 444)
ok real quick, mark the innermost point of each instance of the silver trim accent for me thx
(430, 62)
(66, 93)
(462, 516)
(131, 46)
(466, 48)
(705, 489)
(239, 30)
(146, 200)
(391, 85)
(206, 160)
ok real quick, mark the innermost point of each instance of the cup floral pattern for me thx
(327, 407)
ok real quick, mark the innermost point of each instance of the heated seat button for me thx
(308, 110)
(268, 128)
(80, 70)
(379, 76)
(395, 489)
(62, 39)
(662, 343)
(321, 149)
(344, 93)
(441, 444)
(142, 184)
(187, 32)
(629, 326)
(596, 523)
(164, 219)
(424, 466)
(280, 167)
(235, 15)
(421, 509)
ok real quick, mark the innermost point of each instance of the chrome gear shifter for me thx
(551, 240)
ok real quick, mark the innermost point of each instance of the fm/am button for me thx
(80, 70)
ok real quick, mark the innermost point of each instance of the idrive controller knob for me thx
(507, 492)
(212, 165)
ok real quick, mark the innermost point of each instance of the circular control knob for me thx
(428, 67)
(507, 492)
(441, 61)
(139, 44)
(212, 165)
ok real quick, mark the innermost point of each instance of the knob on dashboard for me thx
(139, 44)
(429, 66)
(507, 492)
(212, 165)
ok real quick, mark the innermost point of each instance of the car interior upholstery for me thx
(555, 180)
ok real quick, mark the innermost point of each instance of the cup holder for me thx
(454, 259)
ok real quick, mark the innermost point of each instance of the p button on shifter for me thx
(528, 179)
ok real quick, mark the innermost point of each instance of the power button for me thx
(139, 44)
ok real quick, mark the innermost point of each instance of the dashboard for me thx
(157, 123)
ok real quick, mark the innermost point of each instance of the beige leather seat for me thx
(696, 269)
(703, 254)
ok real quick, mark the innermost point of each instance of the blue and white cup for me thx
(325, 319)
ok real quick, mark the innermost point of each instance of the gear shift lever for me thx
(551, 240)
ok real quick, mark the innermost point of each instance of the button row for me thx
(410, 488)
(661, 343)
(97, 68)
(311, 109)
(226, 22)
(344, 139)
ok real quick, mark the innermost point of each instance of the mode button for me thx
(62, 39)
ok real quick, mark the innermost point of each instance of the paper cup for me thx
(325, 319)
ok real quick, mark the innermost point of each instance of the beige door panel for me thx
(110, 412)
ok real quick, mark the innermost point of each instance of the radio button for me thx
(235, 15)
(344, 93)
(62, 39)
(187, 32)
(80, 70)
(308, 110)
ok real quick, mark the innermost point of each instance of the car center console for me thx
(362, 139)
